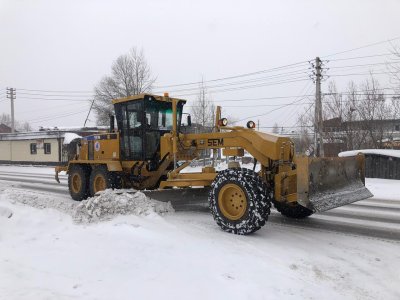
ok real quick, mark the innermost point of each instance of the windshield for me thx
(159, 115)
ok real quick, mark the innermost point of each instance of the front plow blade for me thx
(326, 183)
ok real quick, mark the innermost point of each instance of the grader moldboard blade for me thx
(183, 199)
(326, 183)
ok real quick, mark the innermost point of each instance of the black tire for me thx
(101, 179)
(78, 182)
(258, 203)
(293, 210)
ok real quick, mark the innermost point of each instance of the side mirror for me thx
(189, 120)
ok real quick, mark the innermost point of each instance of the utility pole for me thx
(11, 93)
(318, 122)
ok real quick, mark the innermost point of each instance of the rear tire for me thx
(293, 210)
(101, 179)
(239, 201)
(78, 182)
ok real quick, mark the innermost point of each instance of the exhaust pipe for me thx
(112, 124)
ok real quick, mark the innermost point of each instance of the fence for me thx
(380, 166)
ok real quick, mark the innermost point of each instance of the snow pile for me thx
(5, 212)
(69, 137)
(111, 203)
(385, 152)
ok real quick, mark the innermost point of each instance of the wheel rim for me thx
(76, 183)
(232, 201)
(99, 183)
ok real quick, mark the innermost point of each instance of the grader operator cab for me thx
(149, 152)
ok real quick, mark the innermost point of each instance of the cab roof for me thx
(142, 96)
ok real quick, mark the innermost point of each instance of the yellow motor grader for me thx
(148, 151)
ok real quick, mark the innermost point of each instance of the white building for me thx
(41, 147)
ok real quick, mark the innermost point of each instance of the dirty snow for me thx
(384, 152)
(109, 204)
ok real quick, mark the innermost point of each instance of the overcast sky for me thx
(69, 45)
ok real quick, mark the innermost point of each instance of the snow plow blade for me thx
(326, 183)
(188, 197)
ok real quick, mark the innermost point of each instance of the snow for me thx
(154, 253)
(383, 188)
(69, 137)
(108, 204)
(384, 152)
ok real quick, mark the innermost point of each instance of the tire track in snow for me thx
(379, 218)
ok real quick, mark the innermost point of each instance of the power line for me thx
(358, 74)
(246, 87)
(236, 76)
(362, 47)
(263, 114)
(362, 65)
(47, 108)
(53, 91)
(237, 83)
(54, 95)
(55, 117)
(55, 99)
(361, 57)
(294, 110)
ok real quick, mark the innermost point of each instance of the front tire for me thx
(101, 179)
(239, 201)
(78, 182)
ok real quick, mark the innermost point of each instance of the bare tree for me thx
(394, 68)
(6, 120)
(130, 75)
(361, 117)
(203, 110)
(304, 141)
(373, 111)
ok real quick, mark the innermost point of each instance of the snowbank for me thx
(111, 203)
(107, 205)
(385, 152)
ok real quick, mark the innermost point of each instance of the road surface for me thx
(374, 217)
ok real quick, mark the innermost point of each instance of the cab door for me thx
(132, 132)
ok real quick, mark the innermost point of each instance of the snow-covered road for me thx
(351, 252)
(373, 217)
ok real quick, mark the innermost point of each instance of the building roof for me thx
(384, 152)
(4, 128)
(50, 133)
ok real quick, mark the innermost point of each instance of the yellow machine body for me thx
(315, 183)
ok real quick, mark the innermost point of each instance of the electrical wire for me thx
(53, 91)
(246, 87)
(363, 47)
(236, 83)
(236, 76)
(361, 57)
(54, 95)
(294, 109)
(39, 120)
(267, 113)
(55, 99)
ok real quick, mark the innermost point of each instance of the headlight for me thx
(223, 122)
(251, 124)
